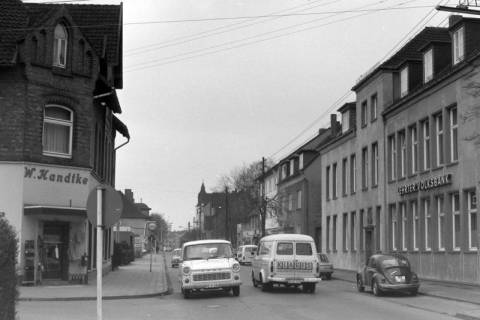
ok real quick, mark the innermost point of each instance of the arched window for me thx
(57, 131)
(60, 46)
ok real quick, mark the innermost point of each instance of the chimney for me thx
(129, 195)
(334, 124)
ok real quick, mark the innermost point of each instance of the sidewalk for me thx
(443, 290)
(131, 281)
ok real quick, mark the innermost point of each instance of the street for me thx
(334, 299)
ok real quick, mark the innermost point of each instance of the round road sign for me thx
(152, 226)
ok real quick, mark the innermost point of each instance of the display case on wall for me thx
(29, 265)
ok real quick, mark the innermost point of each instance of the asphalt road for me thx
(334, 299)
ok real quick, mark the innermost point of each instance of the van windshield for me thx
(207, 251)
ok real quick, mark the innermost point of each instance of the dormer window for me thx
(404, 82)
(428, 66)
(60, 46)
(458, 45)
(345, 121)
(300, 161)
(292, 167)
(284, 171)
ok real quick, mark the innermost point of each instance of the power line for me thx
(173, 59)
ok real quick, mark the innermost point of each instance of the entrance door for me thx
(368, 243)
(55, 250)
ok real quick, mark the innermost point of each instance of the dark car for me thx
(387, 273)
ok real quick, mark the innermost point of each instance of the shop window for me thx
(57, 131)
(403, 230)
(456, 224)
(393, 227)
(472, 220)
(440, 223)
(428, 224)
(60, 44)
(415, 225)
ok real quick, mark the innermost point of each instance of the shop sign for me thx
(426, 184)
(52, 176)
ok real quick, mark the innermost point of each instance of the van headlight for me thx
(236, 267)
(186, 270)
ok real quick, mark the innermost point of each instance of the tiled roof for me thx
(13, 18)
(130, 210)
(410, 51)
(96, 22)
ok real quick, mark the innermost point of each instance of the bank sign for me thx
(426, 184)
(44, 174)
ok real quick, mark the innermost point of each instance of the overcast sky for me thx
(204, 94)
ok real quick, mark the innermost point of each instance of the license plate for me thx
(400, 278)
(212, 285)
(294, 281)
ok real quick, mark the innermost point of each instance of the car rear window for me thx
(303, 249)
(285, 248)
(394, 262)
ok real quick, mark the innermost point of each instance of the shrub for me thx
(8, 276)
(122, 254)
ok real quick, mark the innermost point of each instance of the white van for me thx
(246, 253)
(286, 259)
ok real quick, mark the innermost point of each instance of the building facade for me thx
(58, 76)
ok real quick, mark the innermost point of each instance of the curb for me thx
(466, 316)
(461, 316)
(168, 291)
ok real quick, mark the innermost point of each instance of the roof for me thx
(192, 243)
(130, 211)
(98, 23)
(13, 18)
(411, 51)
(287, 236)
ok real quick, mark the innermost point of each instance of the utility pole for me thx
(263, 210)
(227, 217)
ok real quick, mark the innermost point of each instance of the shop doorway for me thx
(55, 250)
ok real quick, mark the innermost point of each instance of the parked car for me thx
(326, 267)
(176, 257)
(246, 253)
(209, 265)
(387, 273)
(286, 259)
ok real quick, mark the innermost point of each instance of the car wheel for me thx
(186, 293)
(312, 288)
(255, 284)
(376, 289)
(266, 286)
(236, 291)
(360, 286)
(414, 292)
(329, 276)
(306, 287)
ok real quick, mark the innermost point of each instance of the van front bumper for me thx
(211, 284)
(293, 280)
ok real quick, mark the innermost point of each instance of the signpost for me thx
(104, 207)
(151, 226)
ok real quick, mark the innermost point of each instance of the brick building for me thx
(59, 68)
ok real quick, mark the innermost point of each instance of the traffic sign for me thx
(112, 206)
(152, 226)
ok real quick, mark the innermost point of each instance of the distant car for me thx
(209, 265)
(246, 253)
(326, 267)
(387, 273)
(176, 257)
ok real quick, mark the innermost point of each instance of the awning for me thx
(49, 210)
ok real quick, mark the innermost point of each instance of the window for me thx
(393, 157)
(456, 226)
(373, 107)
(414, 149)
(404, 82)
(300, 161)
(334, 233)
(375, 164)
(284, 171)
(439, 139)
(292, 167)
(472, 220)
(360, 229)
(328, 234)
(403, 153)
(428, 66)
(303, 249)
(428, 223)
(345, 121)
(378, 228)
(57, 131)
(426, 144)
(441, 223)
(60, 46)
(353, 173)
(415, 225)
(299, 199)
(327, 182)
(364, 113)
(403, 218)
(265, 248)
(353, 239)
(344, 177)
(285, 248)
(458, 45)
(345, 232)
(393, 219)
(290, 202)
(334, 181)
(364, 168)
(453, 134)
